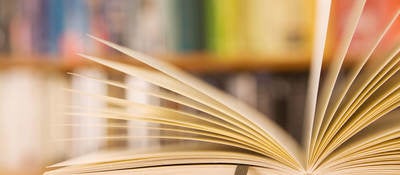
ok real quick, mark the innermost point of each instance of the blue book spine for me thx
(55, 19)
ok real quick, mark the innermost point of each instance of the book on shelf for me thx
(279, 29)
(227, 28)
(352, 120)
(82, 103)
(30, 100)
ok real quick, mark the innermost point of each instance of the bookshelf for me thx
(198, 63)
(210, 41)
(192, 62)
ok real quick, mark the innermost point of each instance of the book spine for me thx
(54, 118)
(22, 119)
(97, 26)
(150, 32)
(279, 29)
(190, 25)
(7, 10)
(87, 104)
(22, 30)
(111, 131)
(135, 127)
(148, 35)
(224, 29)
(210, 25)
(76, 27)
(55, 20)
(244, 87)
(42, 28)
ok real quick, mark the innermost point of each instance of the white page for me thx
(321, 28)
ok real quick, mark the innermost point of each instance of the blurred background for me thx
(256, 50)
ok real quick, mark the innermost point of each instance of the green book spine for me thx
(190, 22)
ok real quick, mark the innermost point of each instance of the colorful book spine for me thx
(7, 10)
(149, 33)
(97, 26)
(227, 28)
(22, 29)
(41, 28)
(55, 22)
(190, 25)
(76, 27)
(224, 30)
(279, 29)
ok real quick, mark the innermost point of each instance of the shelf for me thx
(193, 62)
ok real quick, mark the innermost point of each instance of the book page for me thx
(321, 28)
(200, 169)
(164, 115)
(163, 94)
(171, 84)
(382, 83)
(355, 73)
(329, 83)
(215, 115)
(220, 101)
(380, 136)
(110, 161)
(383, 100)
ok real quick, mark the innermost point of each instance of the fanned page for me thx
(380, 139)
(226, 104)
(222, 121)
(329, 84)
(321, 29)
(368, 93)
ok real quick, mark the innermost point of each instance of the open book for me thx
(352, 127)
